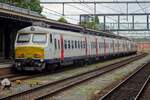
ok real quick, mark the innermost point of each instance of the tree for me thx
(33, 5)
(62, 19)
(92, 24)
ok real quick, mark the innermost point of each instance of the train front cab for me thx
(30, 51)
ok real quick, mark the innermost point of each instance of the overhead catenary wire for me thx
(141, 6)
(91, 9)
(58, 14)
(106, 7)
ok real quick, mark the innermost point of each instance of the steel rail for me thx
(124, 83)
(51, 88)
(142, 89)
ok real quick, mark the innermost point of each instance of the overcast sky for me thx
(54, 11)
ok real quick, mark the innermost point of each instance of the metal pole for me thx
(95, 15)
(63, 9)
(104, 22)
(118, 22)
(127, 12)
(133, 22)
(147, 22)
(94, 8)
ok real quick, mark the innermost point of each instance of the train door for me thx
(56, 46)
(106, 43)
(49, 49)
(111, 45)
(89, 45)
(101, 45)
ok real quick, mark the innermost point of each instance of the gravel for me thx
(30, 83)
(91, 89)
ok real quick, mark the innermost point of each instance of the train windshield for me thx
(39, 38)
(23, 38)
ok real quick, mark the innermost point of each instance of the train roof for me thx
(39, 29)
(106, 34)
(32, 29)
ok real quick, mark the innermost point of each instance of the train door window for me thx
(115, 44)
(68, 44)
(65, 44)
(103, 45)
(83, 44)
(110, 45)
(100, 45)
(50, 37)
(78, 44)
(58, 44)
(55, 43)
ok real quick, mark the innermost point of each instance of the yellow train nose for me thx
(29, 52)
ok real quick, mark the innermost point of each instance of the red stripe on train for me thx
(62, 47)
(85, 45)
(96, 46)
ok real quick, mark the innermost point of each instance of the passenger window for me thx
(65, 44)
(81, 44)
(55, 43)
(72, 44)
(75, 44)
(68, 44)
(78, 44)
(50, 37)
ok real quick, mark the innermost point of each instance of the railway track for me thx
(132, 87)
(15, 76)
(5, 70)
(144, 95)
(49, 89)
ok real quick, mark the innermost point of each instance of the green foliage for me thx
(93, 24)
(97, 20)
(62, 19)
(33, 5)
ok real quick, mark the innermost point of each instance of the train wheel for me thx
(51, 67)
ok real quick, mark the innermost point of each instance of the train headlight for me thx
(18, 64)
(37, 55)
(41, 60)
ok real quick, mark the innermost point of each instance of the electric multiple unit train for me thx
(37, 48)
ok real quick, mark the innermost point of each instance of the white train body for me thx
(50, 46)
